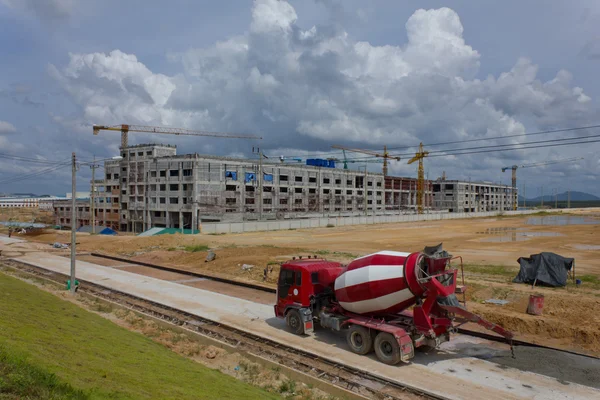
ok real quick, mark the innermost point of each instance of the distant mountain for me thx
(575, 196)
(18, 195)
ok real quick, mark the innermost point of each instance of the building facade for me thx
(460, 196)
(62, 212)
(152, 186)
(28, 202)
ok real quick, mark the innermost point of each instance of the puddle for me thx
(519, 236)
(585, 246)
(562, 220)
(494, 231)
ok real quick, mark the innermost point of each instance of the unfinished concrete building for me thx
(460, 196)
(62, 212)
(152, 186)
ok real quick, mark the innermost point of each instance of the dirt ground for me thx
(489, 247)
(26, 215)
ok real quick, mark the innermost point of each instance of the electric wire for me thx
(34, 174)
(29, 160)
(512, 149)
(324, 154)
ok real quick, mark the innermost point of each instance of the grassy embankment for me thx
(53, 349)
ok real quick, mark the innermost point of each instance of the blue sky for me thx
(305, 75)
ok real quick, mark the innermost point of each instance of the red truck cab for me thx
(301, 280)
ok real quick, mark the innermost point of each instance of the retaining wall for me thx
(255, 226)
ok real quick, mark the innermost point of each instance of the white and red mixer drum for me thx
(379, 283)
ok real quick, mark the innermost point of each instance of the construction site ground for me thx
(458, 369)
(490, 248)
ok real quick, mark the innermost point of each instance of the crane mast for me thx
(419, 156)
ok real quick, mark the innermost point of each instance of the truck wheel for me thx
(387, 348)
(294, 321)
(359, 339)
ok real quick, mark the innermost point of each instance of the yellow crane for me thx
(514, 173)
(419, 156)
(385, 155)
(125, 129)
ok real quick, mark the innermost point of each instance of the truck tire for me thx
(359, 339)
(387, 348)
(294, 322)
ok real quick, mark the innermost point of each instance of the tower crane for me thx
(125, 129)
(385, 155)
(514, 173)
(346, 161)
(419, 156)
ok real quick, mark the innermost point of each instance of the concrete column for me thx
(181, 220)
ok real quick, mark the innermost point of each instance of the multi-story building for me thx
(62, 212)
(152, 186)
(28, 202)
(460, 196)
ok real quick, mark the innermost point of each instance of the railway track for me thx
(267, 289)
(347, 377)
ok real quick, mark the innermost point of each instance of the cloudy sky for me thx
(304, 74)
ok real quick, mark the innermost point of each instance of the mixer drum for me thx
(376, 284)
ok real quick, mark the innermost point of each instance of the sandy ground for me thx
(568, 321)
(26, 215)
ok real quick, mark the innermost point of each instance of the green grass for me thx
(21, 380)
(589, 281)
(196, 248)
(61, 351)
(490, 269)
(335, 253)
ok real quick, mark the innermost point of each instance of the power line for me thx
(29, 160)
(516, 148)
(507, 145)
(497, 146)
(501, 137)
(34, 174)
(323, 154)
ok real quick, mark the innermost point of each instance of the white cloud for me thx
(7, 127)
(310, 88)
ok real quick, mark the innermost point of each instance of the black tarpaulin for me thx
(544, 269)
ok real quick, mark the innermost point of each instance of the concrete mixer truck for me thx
(390, 302)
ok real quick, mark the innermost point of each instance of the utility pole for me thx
(569, 199)
(555, 198)
(194, 195)
(524, 200)
(365, 191)
(542, 196)
(93, 206)
(259, 182)
(73, 220)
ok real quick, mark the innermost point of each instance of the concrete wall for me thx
(254, 226)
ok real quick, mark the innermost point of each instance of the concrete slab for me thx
(9, 240)
(453, 373)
